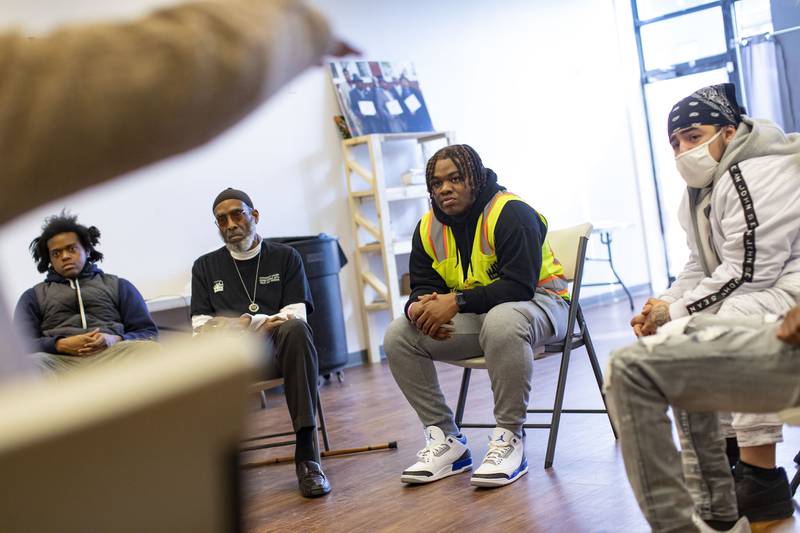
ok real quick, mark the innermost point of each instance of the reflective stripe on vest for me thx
(440, 245)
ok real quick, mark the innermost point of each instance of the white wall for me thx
(539, 88)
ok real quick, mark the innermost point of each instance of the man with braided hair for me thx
(484, 282)
(80, 316)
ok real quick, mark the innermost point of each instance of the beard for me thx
(243, 245)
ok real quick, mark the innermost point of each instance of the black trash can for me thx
(323, 258)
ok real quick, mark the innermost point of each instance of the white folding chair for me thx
(569, 247)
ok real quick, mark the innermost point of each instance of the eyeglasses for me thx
(236, 216)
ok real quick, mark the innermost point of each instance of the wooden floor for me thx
(585, 491)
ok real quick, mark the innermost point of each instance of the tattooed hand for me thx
(657, 317)
(637, 322)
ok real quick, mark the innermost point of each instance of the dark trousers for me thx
(295, 360)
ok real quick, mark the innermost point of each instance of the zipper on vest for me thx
(77, 287)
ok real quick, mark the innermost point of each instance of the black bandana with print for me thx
(714, 105)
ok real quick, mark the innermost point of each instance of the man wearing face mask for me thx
(253, 284)
(741, 213)
(484, 282)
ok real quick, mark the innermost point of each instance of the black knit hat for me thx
(232, 194)
(714, 105)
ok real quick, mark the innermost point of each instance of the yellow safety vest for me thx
(440, 245)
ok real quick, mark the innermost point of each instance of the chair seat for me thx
(538, 353)
(266, 385)
(558, 347)
(475, 362)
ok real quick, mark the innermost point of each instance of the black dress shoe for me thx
(311, 479)
(762, 499)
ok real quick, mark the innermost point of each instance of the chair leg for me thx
(598, 374)
(796, 479)
(263, 398)
(557, 405)
(321, 416)
(462, 397)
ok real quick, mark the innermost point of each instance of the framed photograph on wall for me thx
(380, 97)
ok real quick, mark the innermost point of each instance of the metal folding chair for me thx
(260, 388)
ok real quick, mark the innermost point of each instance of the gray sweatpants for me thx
(54, 364)
(506, 336)
(717, 364)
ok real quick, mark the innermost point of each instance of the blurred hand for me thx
(789, 330)
(340, 48)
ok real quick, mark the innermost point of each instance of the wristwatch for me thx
(461, 301)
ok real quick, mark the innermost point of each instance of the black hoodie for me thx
(519, 236)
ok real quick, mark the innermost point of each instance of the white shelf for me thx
(402, 246)
(406, 192)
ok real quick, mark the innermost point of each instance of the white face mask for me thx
(696, 166)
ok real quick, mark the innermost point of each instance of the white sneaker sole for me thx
(443, 473)
(490, 482)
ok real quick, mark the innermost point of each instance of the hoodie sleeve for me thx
(424, 279)
(28, 319)
(758, 212)
(519, 235)
(136, 318)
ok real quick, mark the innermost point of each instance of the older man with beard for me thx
(260, 285)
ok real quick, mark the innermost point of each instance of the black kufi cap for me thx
(232, 194)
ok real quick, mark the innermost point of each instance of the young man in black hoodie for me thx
(484, 282)
(79, 315)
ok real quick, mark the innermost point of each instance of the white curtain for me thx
(762, 81)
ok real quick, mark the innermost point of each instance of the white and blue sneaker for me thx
(442, 456)
(504, 463)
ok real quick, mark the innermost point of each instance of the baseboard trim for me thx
(358, 358)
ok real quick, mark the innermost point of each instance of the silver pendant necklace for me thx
(253, 307)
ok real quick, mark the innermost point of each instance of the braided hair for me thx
(64, 222)
(466, 160)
